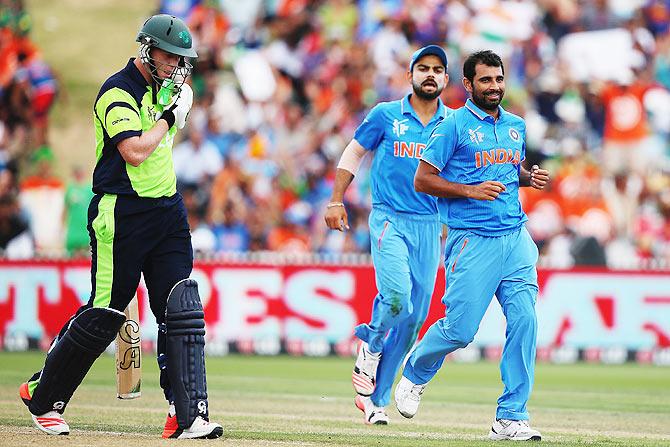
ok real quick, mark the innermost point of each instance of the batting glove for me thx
(177, 111)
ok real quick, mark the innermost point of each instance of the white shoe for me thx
(374, 415)
(408, 397)
(365, 370)
(199, 429)
(51, 423)
(507, 429)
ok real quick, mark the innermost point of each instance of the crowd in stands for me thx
(282, 84)
(31, 196)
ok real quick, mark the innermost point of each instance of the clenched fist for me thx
(538, 177)
(336, 217)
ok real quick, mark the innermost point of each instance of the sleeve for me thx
(371, 131)
(441, 144)
(119, 114)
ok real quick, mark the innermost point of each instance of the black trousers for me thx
(130, 236)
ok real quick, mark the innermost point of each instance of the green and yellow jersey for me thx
(125, 108)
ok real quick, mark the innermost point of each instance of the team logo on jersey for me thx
(514, 134)
(475, 135)
(152, 112)
(399, 127)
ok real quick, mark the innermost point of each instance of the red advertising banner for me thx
(264, 306)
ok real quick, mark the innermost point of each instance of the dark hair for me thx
(486, 57)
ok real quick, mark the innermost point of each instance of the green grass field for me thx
(273, 401)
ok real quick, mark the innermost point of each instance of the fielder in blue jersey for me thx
(404, 227)
(473, 164)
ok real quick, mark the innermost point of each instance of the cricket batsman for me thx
(137, 224)
(404, 225)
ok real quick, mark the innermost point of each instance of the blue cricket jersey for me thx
(470, 147)
(395, 133)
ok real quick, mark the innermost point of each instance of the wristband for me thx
(335, 204)
(168, 116)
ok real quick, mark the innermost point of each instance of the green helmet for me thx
(168, 33)
(171, 35)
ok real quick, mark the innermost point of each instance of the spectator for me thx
(78, 195)
(42, 197)
(290, 236)
(15, 238)
(196, 159)
(626, 135)
(597, 113)
(231, 234)
(203, 239)
(43, 87)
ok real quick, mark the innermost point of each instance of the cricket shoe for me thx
(408, 397)
(51, 422)
(374, 415)
(365, 370)
(507, 429)
(171, 426)
(199, 429)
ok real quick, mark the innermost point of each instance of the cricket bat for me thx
(129, 355)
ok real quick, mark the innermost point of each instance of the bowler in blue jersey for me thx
(473, 165)
(404, 225)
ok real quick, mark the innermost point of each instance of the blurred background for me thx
(281, 86)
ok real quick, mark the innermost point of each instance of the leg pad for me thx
(71, 357)
(185, 352)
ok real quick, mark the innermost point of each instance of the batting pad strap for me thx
(185, 352)
(72, 356)
(186, 323)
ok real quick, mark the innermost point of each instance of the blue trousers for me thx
(406, 256)
(477, 267)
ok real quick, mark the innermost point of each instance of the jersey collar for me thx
(480, 114)
(134, 73)
(407, 109)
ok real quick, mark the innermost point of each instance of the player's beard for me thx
(418, 91)
(484, 103)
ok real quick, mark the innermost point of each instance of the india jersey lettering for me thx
(395, 133)
(470, 147)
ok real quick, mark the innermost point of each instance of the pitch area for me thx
(277, 401)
